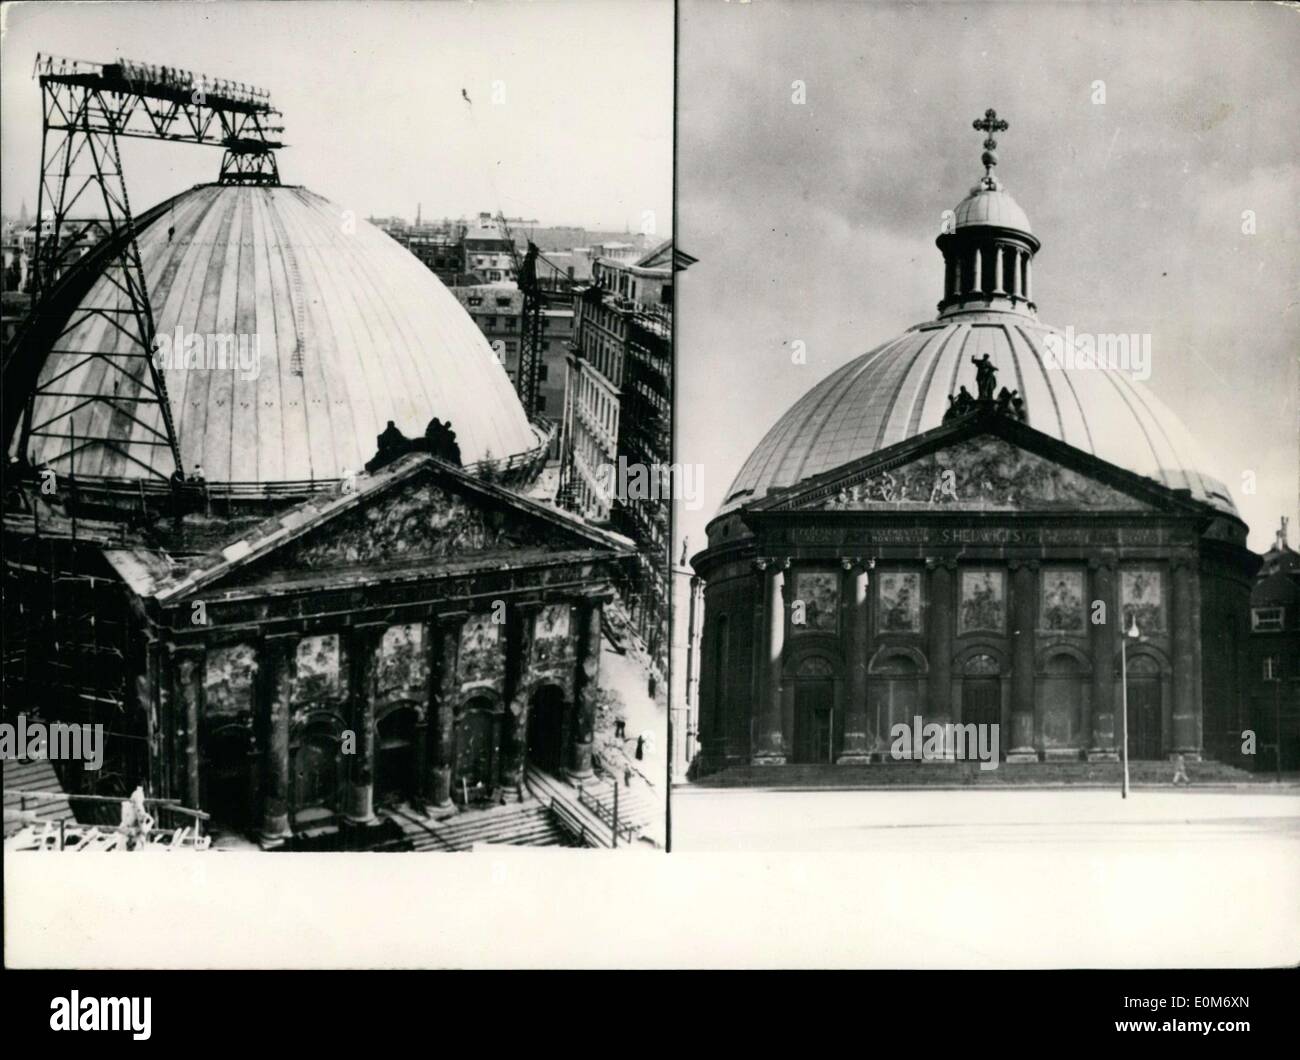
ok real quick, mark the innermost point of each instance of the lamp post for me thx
(1132, 633)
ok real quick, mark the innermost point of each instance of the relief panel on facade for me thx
(424, 520)
(552, 643)
(816, 604)
(1061, 604)
(481, 655)
(899, 604)
(983, 596)
(229, 683)
(1142, 597)
(402, 663)
(984, 474)
(318, 674)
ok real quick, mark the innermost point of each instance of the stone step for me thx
(521, 824)
(948, 774)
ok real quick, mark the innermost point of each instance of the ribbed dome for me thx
(352, 331)
(901, 389)
(987, 206)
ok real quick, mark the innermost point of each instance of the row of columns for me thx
(273, 696)
(1098, 727)
(1015, 285)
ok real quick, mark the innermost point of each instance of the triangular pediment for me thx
(418, 512)
(984, 464)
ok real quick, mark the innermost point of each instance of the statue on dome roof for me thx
(986, 377)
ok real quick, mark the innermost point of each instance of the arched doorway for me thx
(1145, 738)
(981, 690)
(317, 771)
(546, 729)
(477, 733)
(1060, 698)
(397, 756)
(818, 733)
(230, 782)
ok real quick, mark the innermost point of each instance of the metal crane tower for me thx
(83, 209)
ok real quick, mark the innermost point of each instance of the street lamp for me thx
(1132, 633)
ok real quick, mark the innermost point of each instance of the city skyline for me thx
(518, 139)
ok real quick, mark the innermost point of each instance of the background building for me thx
(618, 417)
(1274, 707)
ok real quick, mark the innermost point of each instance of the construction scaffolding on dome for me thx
(86, 220)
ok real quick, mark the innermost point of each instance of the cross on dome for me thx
(989, 125)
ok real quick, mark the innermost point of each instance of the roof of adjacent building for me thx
(902, 387)
(350, 329)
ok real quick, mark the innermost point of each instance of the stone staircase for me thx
(969, 774)
(587, 813)
(527, 823)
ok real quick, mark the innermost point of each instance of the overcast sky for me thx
(371, 95)
(817, 222)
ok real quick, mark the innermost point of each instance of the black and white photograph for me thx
(326, 328)
(991, 347)
(715, 485)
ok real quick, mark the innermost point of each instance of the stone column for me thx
(514, 737)
(363, 646)
(1024, 723)
(1028, 269)
(1103, 726)
(445, 683)
(771, 732)
(588, 684)
(998, 255)
(939, 688)
(188, 671)
(977, 277)
(1186, 710)
(275, 675)
(857, 718)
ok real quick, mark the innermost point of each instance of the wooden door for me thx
(475, 754)
(814, 720)
(1144, 731)
(317, 773)
(546, 729)
(396, 756)
(981, 701)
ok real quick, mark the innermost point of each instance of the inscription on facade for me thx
(984, 535)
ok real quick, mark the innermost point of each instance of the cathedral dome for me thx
(904, 387)
(901, 389)
(349, 329)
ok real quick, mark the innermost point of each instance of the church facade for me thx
(419, 637)
(910, 542)
(981, 572)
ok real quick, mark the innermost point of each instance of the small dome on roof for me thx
(994, 207)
